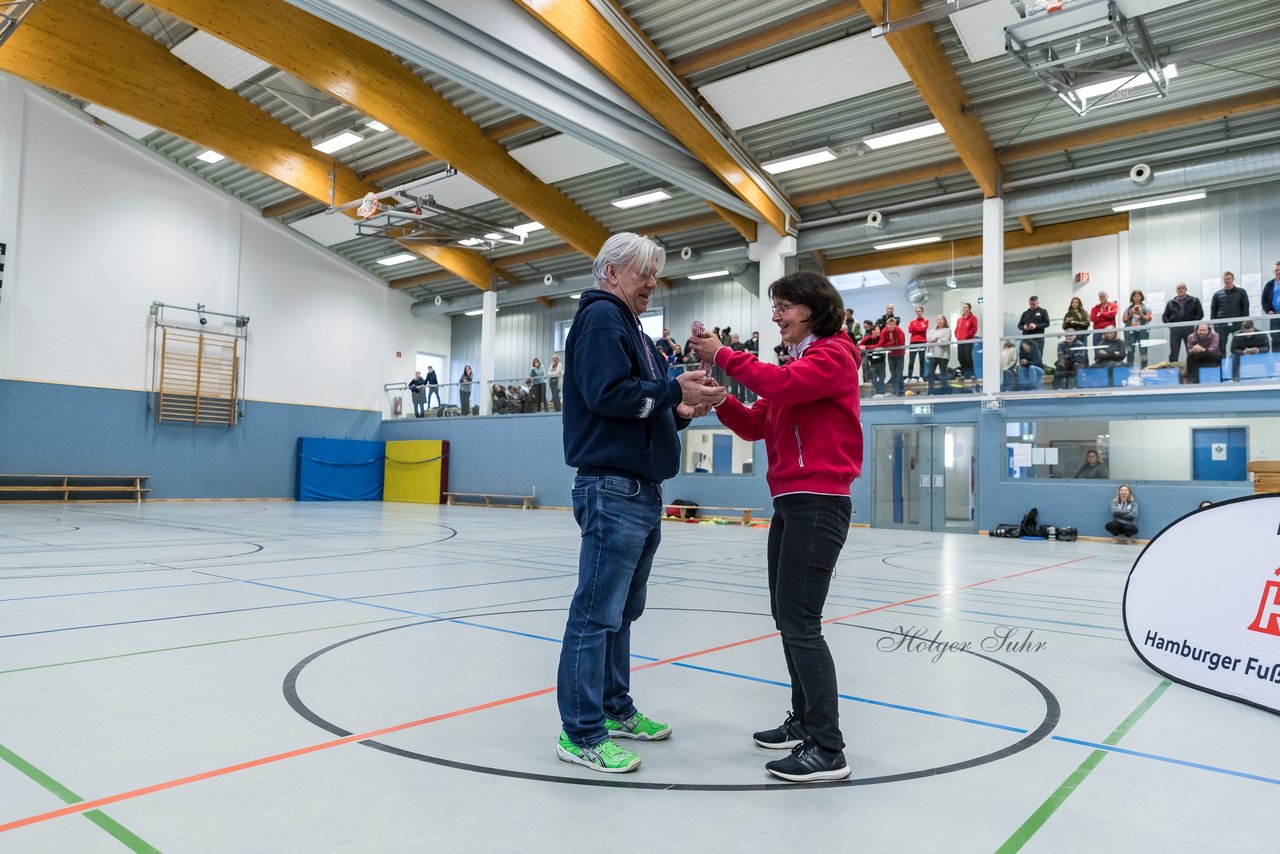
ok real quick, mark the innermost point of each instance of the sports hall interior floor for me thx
(369, 677)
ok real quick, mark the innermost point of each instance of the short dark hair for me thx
(815, 292)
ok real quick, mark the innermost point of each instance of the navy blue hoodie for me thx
(619, 406)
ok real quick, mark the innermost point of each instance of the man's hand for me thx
(705, 346)
(695, 393)
(684, 410)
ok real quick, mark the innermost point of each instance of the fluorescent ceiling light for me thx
(575, 296)
(1163, 200)
(1099, 90)
(645, 198)
(526, 227)
(493, 235)
(401, 258)
(910, 241)
(799, 161)
(476, 312)
(211, 156)
(470, 241)
(711, 275)
(343, 140)
(376, 125)
(908, 134)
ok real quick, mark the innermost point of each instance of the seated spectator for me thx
(1008, 366)
(1030, 365)
(1072, 356)
(1204, 504)
(1124, 515)
(501, 405)
(1247, 342)
(1203, 348)
(1094, 468)
(1110, 350)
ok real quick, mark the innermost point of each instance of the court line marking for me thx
(1036, 820)
(357, 737)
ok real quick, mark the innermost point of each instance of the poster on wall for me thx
(1202, 604)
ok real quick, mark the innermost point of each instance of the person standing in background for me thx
(1178, 310)
(554, 373)
(1271, 305)
(1136, 315)
(539, 377)
(464, 390)
(1077, 320)
(433, 385)
(1103, 316)
(417, 393)
(966, 331)
(1230, 301)
(1034, 321)
(918, 329)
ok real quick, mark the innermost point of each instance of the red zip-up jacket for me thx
(919, 329)
(966, 327)
(1104, 316)
(893, 340)
(807, 413)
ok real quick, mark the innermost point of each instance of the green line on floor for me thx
(122, 834)
(1029, 827)
(198, 645)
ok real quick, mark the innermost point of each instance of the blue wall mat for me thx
(340, 470)
(1218, 453)
(722, 454)
(62, 429)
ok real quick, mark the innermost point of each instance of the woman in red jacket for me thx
(808, 415)
(966, 330)
(1103, 316)
(918, 330)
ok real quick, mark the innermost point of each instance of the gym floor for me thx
(370, 677)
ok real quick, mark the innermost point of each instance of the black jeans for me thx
(966, 360)
(806, 535)
(1116, 528)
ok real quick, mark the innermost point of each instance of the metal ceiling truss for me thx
(11, 15)
(1082, 43)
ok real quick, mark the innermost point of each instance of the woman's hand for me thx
(705, 347)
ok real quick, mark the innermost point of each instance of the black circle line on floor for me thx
(1053, 711)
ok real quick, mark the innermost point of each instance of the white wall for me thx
(103, 229)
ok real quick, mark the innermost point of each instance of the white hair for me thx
(628, 250)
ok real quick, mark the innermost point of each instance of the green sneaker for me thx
(637, 726)
(606, 756)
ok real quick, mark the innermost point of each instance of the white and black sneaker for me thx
(809, 762)
(785, 737)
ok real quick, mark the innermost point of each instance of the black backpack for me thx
(1031, 526)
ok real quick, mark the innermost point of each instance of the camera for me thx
(204, 321)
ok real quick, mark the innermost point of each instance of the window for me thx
(652, 322)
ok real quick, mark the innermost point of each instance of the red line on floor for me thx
(85, 806)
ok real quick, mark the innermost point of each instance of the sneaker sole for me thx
(781, 745)
(566, 756)
(619, 733)
(838, 774)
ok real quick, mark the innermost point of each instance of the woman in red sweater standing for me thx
(1103, 316)
(918, 329)
(966, 330)
(807, 412)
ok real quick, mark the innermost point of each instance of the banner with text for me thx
(1202, 605)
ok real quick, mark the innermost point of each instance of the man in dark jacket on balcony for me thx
(1183, 308)
(1228, 302)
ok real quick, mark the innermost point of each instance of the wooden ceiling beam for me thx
(885, 181)
(1045, 235)
(1025, 221)
(79, 48)
(766, 38)
(587, 31)
(926, 63)
(377, 83)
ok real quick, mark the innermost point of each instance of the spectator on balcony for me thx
(433, 385)
(1179, 310)
(417, 392)
(1103, 316)
(499, 402)
(851, 326)
(918, 332)
(1271, 305)
(1093, 468)
(966, 331)
(939, 351)
(538, 386)
(1008, 366)
(1034, 321)
(556, 372)
(1249, 341)
(1136, 316)
(1203, 348)
(1110, 351)
(893, 341)
(888, 313)
(1230, 301)
(1072, 356)
(870, 338)
(1124, 515)
(465, 382)
(1076, 319)
(1030, 365)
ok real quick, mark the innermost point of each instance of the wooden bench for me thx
(745, 511)
(45, 488)
(526, 501)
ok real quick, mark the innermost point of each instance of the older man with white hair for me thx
(621, 417)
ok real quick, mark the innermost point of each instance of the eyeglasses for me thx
(782, 307)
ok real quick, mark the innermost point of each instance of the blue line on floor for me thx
(1199, 765)
(159, 619)
(114, 590)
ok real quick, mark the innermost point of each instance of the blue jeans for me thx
(620, 519)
